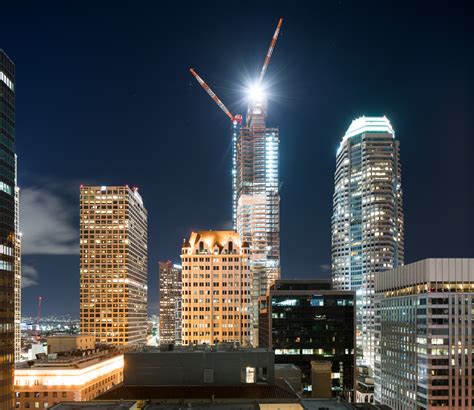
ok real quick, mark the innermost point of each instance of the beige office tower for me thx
(17, 271)
(113, 250)
(170, 303)
(216, 288)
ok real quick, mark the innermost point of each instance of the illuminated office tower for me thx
(367, 221)
(113, 264)
(216, 288)
(258, 201)
(424, 335)
(17, 255)
(7, 229)
(170, 303)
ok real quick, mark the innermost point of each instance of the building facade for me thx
(223, 365)
(69, 343)
(424, 338)
(113, 265)
(367, 221)
(215, 288)
(257, 199)
(49, 381)
(17, 256)
(305, 321)
(170, 303)
(8, 233)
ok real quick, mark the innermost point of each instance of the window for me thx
(248, 375)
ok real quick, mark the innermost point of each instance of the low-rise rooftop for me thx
(96, 405)
(201, 394)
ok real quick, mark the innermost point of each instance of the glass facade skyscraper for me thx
(367, 221)
(257, 196)
(305, 320)
(8, 233)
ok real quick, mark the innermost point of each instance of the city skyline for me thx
(309, 138)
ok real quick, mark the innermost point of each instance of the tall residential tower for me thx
(258, 201)
(367, 221)
(8, 232)
(113, 251)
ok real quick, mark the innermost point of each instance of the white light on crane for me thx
(256, 92)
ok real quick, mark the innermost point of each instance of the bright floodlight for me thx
(256, 92)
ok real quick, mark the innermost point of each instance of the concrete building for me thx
(216, 288)
(321, 379)
(170, 303)
(45, 382)
(365, 385)
(257, 200)
(113, 264)
(304, 321)
(367, 221)
(223, 365)
(69, 343)
(203, 377)
(8, 232)
(424, 339)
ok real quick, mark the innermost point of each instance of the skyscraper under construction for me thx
(258, 201)
(255, 187)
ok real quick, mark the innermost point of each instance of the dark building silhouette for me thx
(7, 228)
(304, 321)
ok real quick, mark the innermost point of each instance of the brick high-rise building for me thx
(113, 250)
(216, 288)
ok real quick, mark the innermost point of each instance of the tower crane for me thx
(237, 119)
(270, 52)
(216, 99)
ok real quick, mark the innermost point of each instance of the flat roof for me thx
(96, 404)
(205, 393)
(329, 404)
(221, 406)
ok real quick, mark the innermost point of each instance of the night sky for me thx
(104, 97)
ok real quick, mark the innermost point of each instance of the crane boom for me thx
(212, 94)
(270, 51)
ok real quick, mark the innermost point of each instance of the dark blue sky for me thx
(104, 97)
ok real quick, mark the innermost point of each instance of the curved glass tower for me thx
(367, 221)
